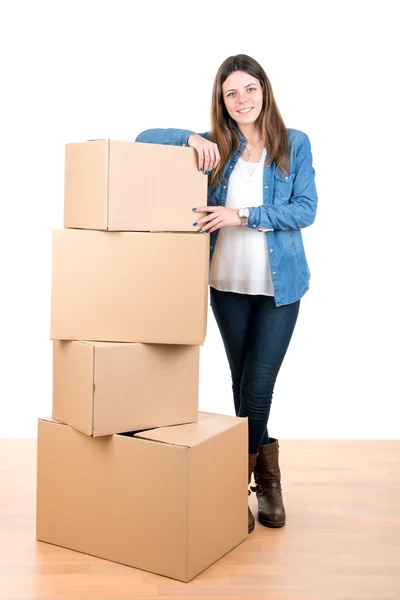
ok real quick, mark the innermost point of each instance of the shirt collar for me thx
(241, 138)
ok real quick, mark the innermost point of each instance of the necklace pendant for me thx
(249, 155)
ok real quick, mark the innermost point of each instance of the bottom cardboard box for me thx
(155, 500)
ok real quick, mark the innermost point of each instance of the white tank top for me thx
(240, 262)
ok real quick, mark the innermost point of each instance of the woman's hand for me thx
(208, 152)
(220, 217)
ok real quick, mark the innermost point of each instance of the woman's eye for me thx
(251, 89)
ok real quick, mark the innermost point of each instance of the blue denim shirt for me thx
(289, 204)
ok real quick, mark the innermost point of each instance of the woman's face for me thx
(242, 94)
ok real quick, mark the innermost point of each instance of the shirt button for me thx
(231, 167)
(286, 177)
(271, 250)
(265, 187)
(224, 187)
(273, 273)
(254, 225)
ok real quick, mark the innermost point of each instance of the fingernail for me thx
(198, 231)
(201, 168)
(195, 223)
(194, 208)
(208, 172)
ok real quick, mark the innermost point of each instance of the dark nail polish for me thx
(208, 172)
(195, 223)
(201, 168)
(198, 231)
(194, 208)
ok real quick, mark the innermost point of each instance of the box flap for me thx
(88, 342)
(50, 420)
(107, 344)
(209, 425)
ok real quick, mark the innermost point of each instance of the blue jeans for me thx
(256, 335)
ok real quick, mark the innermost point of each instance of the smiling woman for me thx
(244, 104)
(261, 193)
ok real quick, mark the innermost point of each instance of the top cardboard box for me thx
(129, 186)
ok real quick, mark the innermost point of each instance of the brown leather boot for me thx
(267, 476)
(252, 463)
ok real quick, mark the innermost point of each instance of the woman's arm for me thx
(301, 210)
(208, 155)
(168, 137)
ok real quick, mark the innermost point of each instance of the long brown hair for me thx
(224, 129)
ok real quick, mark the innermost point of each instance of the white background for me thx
(73, 70)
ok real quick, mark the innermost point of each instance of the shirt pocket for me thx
(283, 186)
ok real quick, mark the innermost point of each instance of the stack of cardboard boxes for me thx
(128, 469)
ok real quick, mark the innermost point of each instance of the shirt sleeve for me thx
(301, 210)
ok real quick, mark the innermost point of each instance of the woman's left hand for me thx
(220, 217)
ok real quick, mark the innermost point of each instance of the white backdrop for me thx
(73, 70)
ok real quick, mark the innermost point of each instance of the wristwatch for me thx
(244, 214)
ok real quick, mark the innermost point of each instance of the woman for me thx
(261, 194)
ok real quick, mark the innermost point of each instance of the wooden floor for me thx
(341, 540)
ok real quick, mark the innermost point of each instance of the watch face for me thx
(244, 213)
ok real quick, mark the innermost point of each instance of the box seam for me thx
(187, 516)
(108, 184)
(93, 387)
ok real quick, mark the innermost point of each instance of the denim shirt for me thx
(289, 204)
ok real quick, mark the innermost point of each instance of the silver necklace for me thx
(250, 153)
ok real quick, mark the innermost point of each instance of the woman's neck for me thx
(251, 133)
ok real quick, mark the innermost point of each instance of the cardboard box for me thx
(102, 388)
(129, 186)
(171, 501)
(129, 287)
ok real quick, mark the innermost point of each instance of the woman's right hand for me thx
(207, 151)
